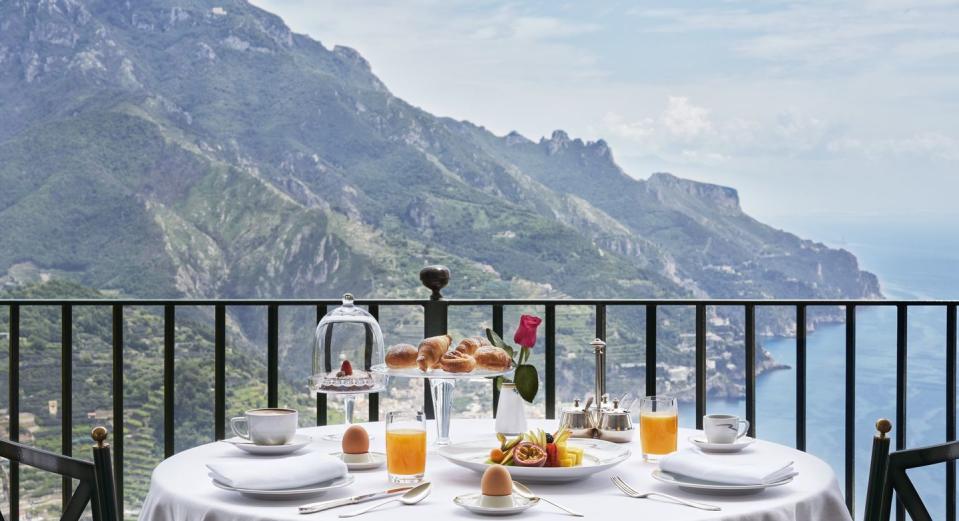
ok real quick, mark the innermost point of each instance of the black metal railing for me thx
(435, 314)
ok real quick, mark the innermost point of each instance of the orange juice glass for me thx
(658, 426)
(406, 446)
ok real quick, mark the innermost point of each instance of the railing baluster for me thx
(169, 353)
(219, 371)
(272, 355)
(374, 398)
(902, 353)
(801, 377)
(13, 380)
(651, 350)
(118, 424)
(600, 325)
(700, 364)
(498, 329)
(550, 355)
(66, 394)
(850, 463)
(951, 408)
(750, 344)
(321, 410)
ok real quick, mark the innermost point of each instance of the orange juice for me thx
(658, 432)
(406, 451)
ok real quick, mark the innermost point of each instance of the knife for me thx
(333, 503)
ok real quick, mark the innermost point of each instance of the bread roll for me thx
(431, 350)
(492, 358)
(401, 356)
(457, 362)
(468, 345)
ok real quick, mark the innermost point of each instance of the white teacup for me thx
(724, 428)
(266, 426)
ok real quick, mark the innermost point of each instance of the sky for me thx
(808, 109)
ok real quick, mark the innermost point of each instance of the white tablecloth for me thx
(181, 491)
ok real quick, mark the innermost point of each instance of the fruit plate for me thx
(598, 455)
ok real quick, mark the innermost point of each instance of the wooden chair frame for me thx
(96, 481)
(897, 480)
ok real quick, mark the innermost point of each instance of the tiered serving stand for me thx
(442, 385)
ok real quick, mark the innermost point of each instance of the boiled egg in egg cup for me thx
(356, 450)
(496, 487)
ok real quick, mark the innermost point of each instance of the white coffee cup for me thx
(724, 428)
(266, 426)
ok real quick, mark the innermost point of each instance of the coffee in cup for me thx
(724, 428)
(266, 426)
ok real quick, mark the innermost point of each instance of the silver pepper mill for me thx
(599, 348)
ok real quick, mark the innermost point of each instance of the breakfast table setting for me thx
(604, 456)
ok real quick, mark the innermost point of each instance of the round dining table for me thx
(181, 490)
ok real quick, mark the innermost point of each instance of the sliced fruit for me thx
(528, 454)
(568, 461)
(577, 453)
(496, 455)
(551, 455)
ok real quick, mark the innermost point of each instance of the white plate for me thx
(298, 442)
(471, 502)
(707, 487)
(292, 493)
(436, 374)
(599, 455)
(705, 446)
(377, 459)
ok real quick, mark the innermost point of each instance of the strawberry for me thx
(346, 368)
(551, 455)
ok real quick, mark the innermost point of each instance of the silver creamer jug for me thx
(578, 420)
(616, 424)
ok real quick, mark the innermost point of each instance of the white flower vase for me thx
(511, 411)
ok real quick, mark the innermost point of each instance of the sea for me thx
(914, 258)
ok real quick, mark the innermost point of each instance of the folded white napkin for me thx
(726, 469)
(277, 473)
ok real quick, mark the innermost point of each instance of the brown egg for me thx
(356, 440)
(497, 481)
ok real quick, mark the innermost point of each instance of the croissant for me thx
(492, 358)
(457, 362)
(431, 350)
(469, 345)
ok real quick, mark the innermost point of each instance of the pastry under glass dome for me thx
(347, 343)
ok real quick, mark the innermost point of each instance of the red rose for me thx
(526, 332)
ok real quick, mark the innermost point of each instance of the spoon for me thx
(524, 491)
(412, 496)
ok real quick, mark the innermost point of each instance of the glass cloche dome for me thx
(347, 343)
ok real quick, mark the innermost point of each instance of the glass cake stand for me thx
(442, 385)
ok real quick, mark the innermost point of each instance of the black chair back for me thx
(877, 470)
(96, 480)
(897, 480)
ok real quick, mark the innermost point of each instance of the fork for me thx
(631, 492)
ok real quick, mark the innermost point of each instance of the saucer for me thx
(708, 487)
(727, 448)
(373, 460)
(298, 442)
(291, 493)
(471, 502)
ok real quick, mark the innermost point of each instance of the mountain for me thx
(176, 147)
(183, 148)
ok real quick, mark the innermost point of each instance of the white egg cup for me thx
(366, 457)
(496, 501)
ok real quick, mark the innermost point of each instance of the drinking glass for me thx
(658, 426)
(406, 446)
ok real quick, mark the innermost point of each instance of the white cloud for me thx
(685, 120)
(773, 99)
